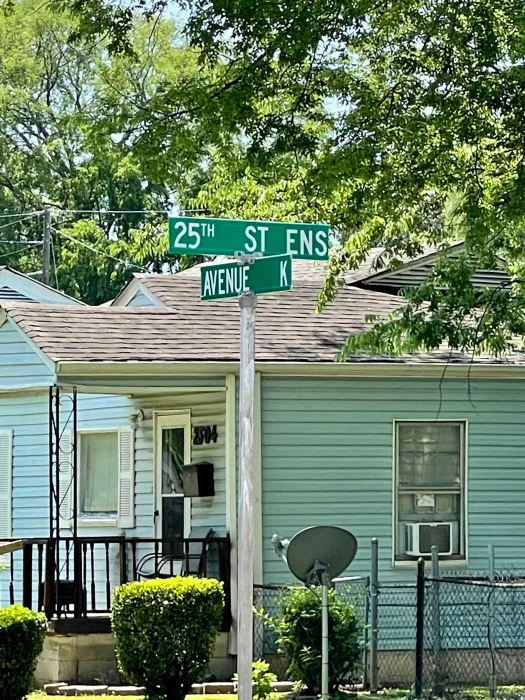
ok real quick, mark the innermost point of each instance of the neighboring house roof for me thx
(414, 272)
(288, 329)
(165, 287)
(16, 286)
(8, 294)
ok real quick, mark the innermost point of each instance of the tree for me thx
(398, 122)
(71, 117)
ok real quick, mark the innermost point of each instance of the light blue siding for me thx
(27, 414)
(327, 451)
(20, 365)
(140, 299)
(206, 408)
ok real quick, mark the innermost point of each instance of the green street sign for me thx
(261, 276)
(192, 236)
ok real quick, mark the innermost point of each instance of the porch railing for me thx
(77, 577)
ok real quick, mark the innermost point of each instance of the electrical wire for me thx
(3, 240)
(14, 223)
(14, 252)
(114, 211)
(24, 214)
(100, 252)
(54, 262)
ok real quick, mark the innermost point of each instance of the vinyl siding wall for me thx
(20, 365)
(27, 415)
(327, 454)
(139, 300)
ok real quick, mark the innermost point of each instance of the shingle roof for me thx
(288, 329)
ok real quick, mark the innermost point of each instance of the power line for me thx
(14, 252)
(100, 252)
(2, 240)
(114, 211)
(54, 262)
(25, 214)
(14, 223)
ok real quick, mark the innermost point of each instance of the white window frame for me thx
(86, 519)
(458, 560)
(166, 421)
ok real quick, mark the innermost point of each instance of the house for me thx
(378, 446)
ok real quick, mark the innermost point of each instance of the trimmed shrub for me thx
(165, 631)
(22, 634)
(299, 638)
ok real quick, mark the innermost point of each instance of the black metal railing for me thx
(76, 577)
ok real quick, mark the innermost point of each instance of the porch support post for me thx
(231, 502)
(257, 487)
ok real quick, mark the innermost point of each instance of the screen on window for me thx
(429, 480)
(99, 469)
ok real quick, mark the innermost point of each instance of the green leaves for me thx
(22, 634)
(398, 123)
(165, 631)
(299, 638)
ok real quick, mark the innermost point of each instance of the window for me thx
(99, 460)
(429, 488)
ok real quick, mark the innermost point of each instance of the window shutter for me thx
(65, 487)
(6, 482)
(126, 480)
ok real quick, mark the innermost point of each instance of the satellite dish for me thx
(331, 547)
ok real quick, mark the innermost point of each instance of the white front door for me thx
(172, 451)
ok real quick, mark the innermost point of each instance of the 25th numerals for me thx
(205, 434)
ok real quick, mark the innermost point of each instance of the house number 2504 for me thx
(204, 434)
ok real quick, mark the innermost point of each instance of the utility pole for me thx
(46, 247)
(248, 303)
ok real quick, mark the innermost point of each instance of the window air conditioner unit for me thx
(421, 537)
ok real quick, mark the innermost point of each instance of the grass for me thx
(40, 695)
(471, 693)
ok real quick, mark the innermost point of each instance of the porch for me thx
(78, 599)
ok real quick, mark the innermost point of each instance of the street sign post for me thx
(264, 252)
(192, 236)
(233, 279)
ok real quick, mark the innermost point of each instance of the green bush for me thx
(22, 634)
(262, 679)
(165, 631)
(299, 638)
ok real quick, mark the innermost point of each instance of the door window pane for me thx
(172, 460)
(172, 524)
(99, 472)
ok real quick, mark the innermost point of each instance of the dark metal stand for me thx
(63, 464)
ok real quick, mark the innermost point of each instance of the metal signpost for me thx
(253, 273)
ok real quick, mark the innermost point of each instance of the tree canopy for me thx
(71, 117)
(400, 123)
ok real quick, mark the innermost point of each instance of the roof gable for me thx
(415, 272)
(16, 286)
(23, 365)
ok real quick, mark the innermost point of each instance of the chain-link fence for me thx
(396, 633)
(474, 633)
(354, 590)
(450, 633)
